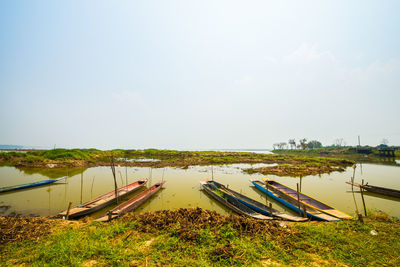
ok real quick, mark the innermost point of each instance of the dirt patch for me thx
(13, 229)
(295, 170)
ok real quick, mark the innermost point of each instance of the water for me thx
(182, 189)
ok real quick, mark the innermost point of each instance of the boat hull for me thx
(313, 214)
(378, 190)
(102, 201)
(233, 204)
(30, 185)
(260, 207)
(132, 203)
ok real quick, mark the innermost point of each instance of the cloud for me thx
(308, 53)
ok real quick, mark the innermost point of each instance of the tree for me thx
(292, 143)
(303, 143)
(314, 144)
(385, 141)
(339, 142)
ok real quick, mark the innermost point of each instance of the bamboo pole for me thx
(81, 187)
(298, 198)
(126, 171)
(91, 190)
(69, 207)
(362, 197)
(115, 179)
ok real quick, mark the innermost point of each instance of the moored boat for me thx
(291, 201)
(258, 206)
(30, 185)
(377, 189)
(231, 202)
(132, 203)
(102, 201)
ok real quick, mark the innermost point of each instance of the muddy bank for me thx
(185, 221)
(294, 170)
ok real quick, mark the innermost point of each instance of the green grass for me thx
(122, 242)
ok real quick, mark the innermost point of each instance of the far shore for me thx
(283, 164)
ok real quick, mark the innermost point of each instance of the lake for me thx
(182, 189)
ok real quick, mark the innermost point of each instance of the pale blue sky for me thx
(198, 74)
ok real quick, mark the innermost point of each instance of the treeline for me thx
(301, 144)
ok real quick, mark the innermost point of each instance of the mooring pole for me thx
(298, 198)
(69, 207)
(115, 179)
(81, 187)
(362, 197)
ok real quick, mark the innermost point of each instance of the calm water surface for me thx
(182, 189)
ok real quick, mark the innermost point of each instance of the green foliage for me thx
(119, 243)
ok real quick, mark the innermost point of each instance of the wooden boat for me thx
(29, 185)
(231, 202)
(102, 201)
(132, 203)
(290, 201)
(377, 189)
(258, 206)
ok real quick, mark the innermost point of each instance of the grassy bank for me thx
(292, 165)
(200, 237)
(343, 153)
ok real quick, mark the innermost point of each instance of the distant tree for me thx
(292, 143)
(281, 145)
(303, 143)
(385, 141)
(275, 146)
(339, 142)
(314, 144)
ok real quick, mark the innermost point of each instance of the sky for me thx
(198, 74)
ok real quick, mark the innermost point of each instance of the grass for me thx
(341, 153)
(128, 242)
(294, 165)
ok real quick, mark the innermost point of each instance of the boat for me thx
(102, 201)
(258, 206)
(377, 189)
(132, 203)
(289, 199)
(231, 202)
(29, 185)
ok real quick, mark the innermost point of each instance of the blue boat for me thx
(258, 206)
(29, 185)
(292, 203)
(231, 202)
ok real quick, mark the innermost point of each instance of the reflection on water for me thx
(182, 189)
(52, 172)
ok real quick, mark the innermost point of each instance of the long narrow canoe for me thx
(292, 203)
(377, 189)
(231, 202)
(132, 203)
(258, 206)
(29, 185)
(102, 201)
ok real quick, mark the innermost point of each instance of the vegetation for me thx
(196, 237)
(349, 153)
(288, 164)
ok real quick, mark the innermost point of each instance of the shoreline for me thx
(287, 165)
